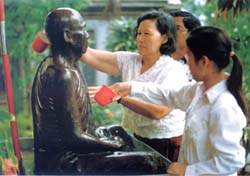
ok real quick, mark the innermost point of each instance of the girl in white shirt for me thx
(215, 107)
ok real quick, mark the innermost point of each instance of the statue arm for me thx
(71, 97)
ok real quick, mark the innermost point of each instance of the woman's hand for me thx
(92, 92)
(121, 89)
(177, 169)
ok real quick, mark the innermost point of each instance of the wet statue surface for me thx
(61, 110)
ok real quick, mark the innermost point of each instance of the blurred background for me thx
(110, 24)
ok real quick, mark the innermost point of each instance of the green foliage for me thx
(246, 139)
(6, 147)
(122, 35)
(25, 124)
(121, 38)
(104, 116)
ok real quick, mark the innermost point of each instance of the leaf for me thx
(224, 6)
(8, 167)
(208, 1)
(5, 116)
(6, 146)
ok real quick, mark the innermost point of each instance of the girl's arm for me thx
(149, 110)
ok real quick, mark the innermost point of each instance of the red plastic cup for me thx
(40, 43)
(104, 96)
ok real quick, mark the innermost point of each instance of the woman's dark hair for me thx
(165, 25)
(214, 43)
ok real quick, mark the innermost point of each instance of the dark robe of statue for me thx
(61, 109)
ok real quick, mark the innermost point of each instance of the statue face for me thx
(66, 31)
(79, 39)
(79, 35)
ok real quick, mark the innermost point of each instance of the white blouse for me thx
(213, 129)
(165, 71)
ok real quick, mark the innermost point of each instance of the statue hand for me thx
(116, 135)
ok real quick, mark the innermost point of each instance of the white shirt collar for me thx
(213, 92)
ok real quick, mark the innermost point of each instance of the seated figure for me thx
(61, 110)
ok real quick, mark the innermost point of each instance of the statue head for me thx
(65, 28)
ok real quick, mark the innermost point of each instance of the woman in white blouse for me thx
(215, 107)
(155, 39)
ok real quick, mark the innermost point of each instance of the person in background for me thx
(155, 39)
(185, 22)
(215, 106)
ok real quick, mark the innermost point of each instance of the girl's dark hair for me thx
(214, 43)
(165, 25)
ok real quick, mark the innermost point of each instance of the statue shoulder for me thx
(67, 74)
